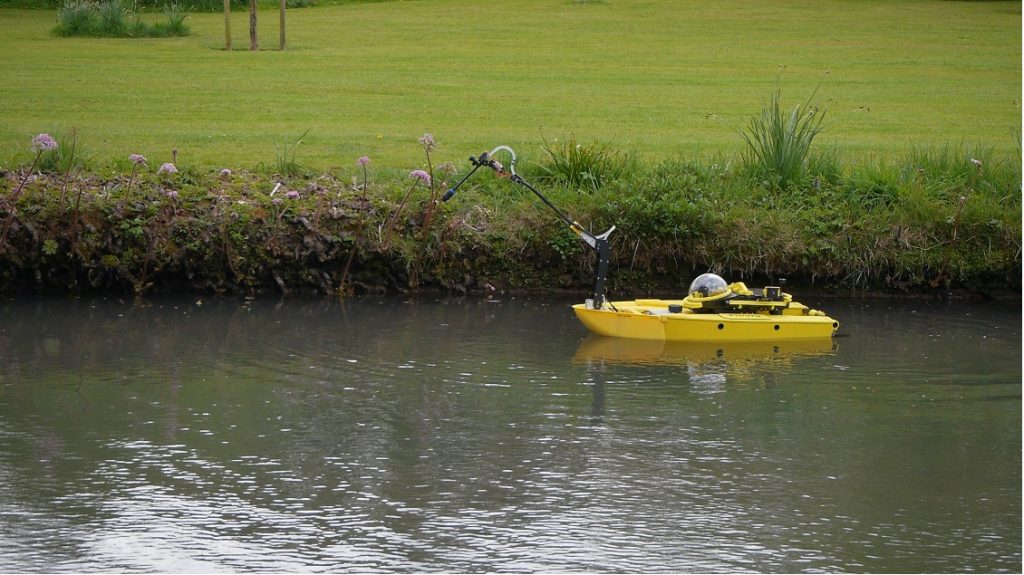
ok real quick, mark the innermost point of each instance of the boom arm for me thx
(599, 243)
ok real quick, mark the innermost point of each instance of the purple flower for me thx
(137, 159)
(421, 174)
(276, 201)
(43, 143)
(427, 141)
(173, 194)
(292, 194)
(225, 172)
(363, 160)
(167, 168)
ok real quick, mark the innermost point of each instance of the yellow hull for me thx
(651, 319)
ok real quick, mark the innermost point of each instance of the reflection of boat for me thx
(713, 311)
(645, 351)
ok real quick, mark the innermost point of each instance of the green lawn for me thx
(659, 77)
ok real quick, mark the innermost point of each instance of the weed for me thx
(779, 144)
(68, 159)
(111, 19)
(363, 162)
(137, 161)
(574, 165)
(285, 157)
(107, 19)
(76, 18)
(427, 141)
(389, 226)
(175, 14)
(65, 156)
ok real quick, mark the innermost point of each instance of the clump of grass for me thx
(63, 158)
(112, 18)
(779, 143)
(575, 165)
(285, 156)
(69, 154)
(108, 19)
(76, 18)
(174, 25)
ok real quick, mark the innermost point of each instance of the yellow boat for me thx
(712, 310)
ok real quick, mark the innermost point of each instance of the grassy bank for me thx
(912, 182)
(929, 221)
(664, 78)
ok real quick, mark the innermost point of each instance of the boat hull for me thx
(652, 320)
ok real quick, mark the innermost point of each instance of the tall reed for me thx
(779, 143)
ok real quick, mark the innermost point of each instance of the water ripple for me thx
(391, 435)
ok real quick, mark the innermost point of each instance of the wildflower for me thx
(977, 163)
(40, 144)
(292, 194)
(173, 194)
(136, 160)
(225, 172)
(363, 161)
(420, 174)
(43, 143)
(276, 201)
(167, 168)
(427, 141)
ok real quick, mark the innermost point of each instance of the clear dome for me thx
(708, 285)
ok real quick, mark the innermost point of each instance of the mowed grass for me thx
(663, 78)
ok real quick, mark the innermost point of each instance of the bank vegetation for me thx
(940, 220)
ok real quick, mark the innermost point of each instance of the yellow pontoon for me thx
(713, 311)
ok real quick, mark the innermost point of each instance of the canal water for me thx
(381, 434)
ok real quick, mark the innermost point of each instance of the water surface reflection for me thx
(463, 435)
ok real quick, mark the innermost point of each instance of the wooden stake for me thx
(227, 25)
(253, 45)
(283, 2)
